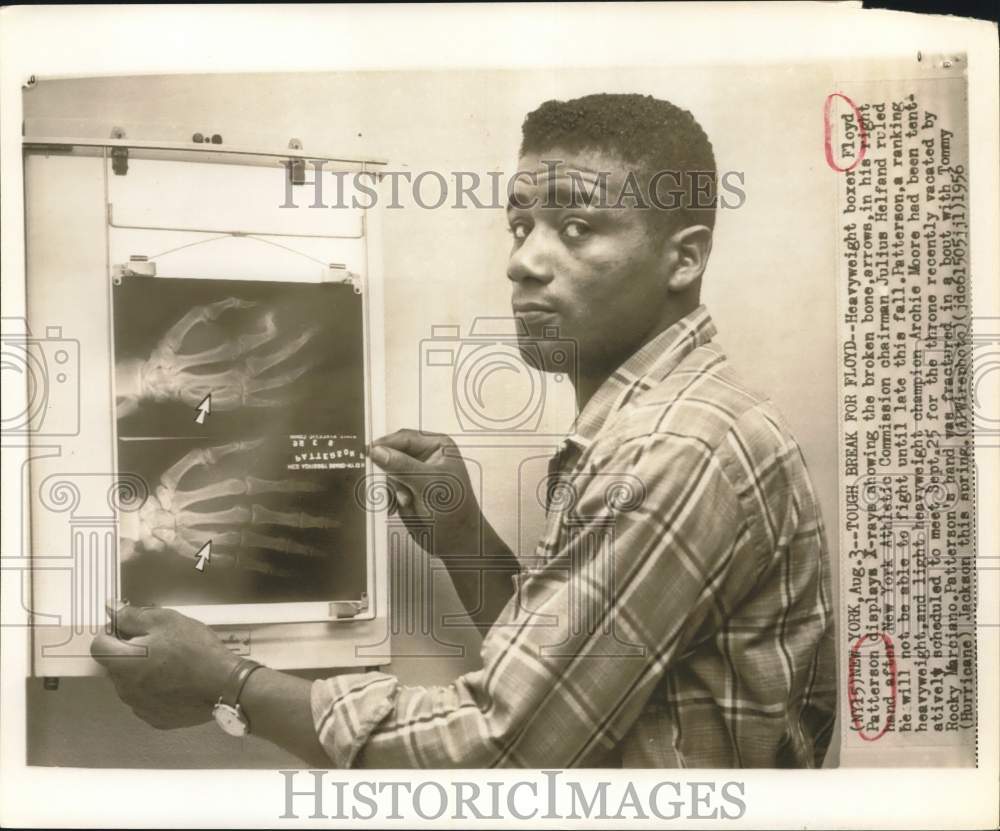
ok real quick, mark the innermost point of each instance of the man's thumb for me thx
(127, 620)
(393, 461)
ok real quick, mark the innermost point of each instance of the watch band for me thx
(237, 680)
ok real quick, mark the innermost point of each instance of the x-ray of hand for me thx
(254, 368)
(229, 511)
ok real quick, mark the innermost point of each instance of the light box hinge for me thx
(138, 265)
(344, 609)
(119, 155)
(338, 273)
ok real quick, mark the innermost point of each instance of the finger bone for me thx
(175, 336)
(204, 457)
(193, 387)
(261, 363)
(218, 453)
(251, 563)
(232, 349)
(283, 380)
(217, 490)
(243, 559)
(236, 515)
(257, 486)
(282, 545)
(292, 519)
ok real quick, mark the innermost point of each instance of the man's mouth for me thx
(540, 320)
(525, 308)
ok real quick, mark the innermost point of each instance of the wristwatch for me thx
(227, 711)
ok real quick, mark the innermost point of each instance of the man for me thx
(678, 616)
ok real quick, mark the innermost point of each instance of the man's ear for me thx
(689, 249)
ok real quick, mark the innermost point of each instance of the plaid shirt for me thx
(676, 612)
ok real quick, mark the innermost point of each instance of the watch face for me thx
(230, 719)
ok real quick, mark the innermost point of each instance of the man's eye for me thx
(519, 230)
(575, 229)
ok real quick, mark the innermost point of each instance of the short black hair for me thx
(650, 133)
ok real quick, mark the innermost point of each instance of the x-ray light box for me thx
(219, 389)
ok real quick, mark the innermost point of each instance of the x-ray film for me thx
(241, 406)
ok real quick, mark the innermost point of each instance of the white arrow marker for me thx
(204, 555)
(204, 408)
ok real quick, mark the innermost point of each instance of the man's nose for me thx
(532, 260)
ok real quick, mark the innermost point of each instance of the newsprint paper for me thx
(465, 415)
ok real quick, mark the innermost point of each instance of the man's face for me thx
(594, 274)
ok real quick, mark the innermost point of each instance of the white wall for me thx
(770, 283)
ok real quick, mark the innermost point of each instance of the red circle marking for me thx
(890, 717)
(828, 133)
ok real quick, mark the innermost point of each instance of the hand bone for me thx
(174, 517)
(235, 373)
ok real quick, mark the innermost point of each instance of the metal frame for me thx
(210, 153)
(280, 644)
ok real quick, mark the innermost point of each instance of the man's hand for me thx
(168, 668)
(431, 482)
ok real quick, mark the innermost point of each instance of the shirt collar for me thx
(644, 369)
